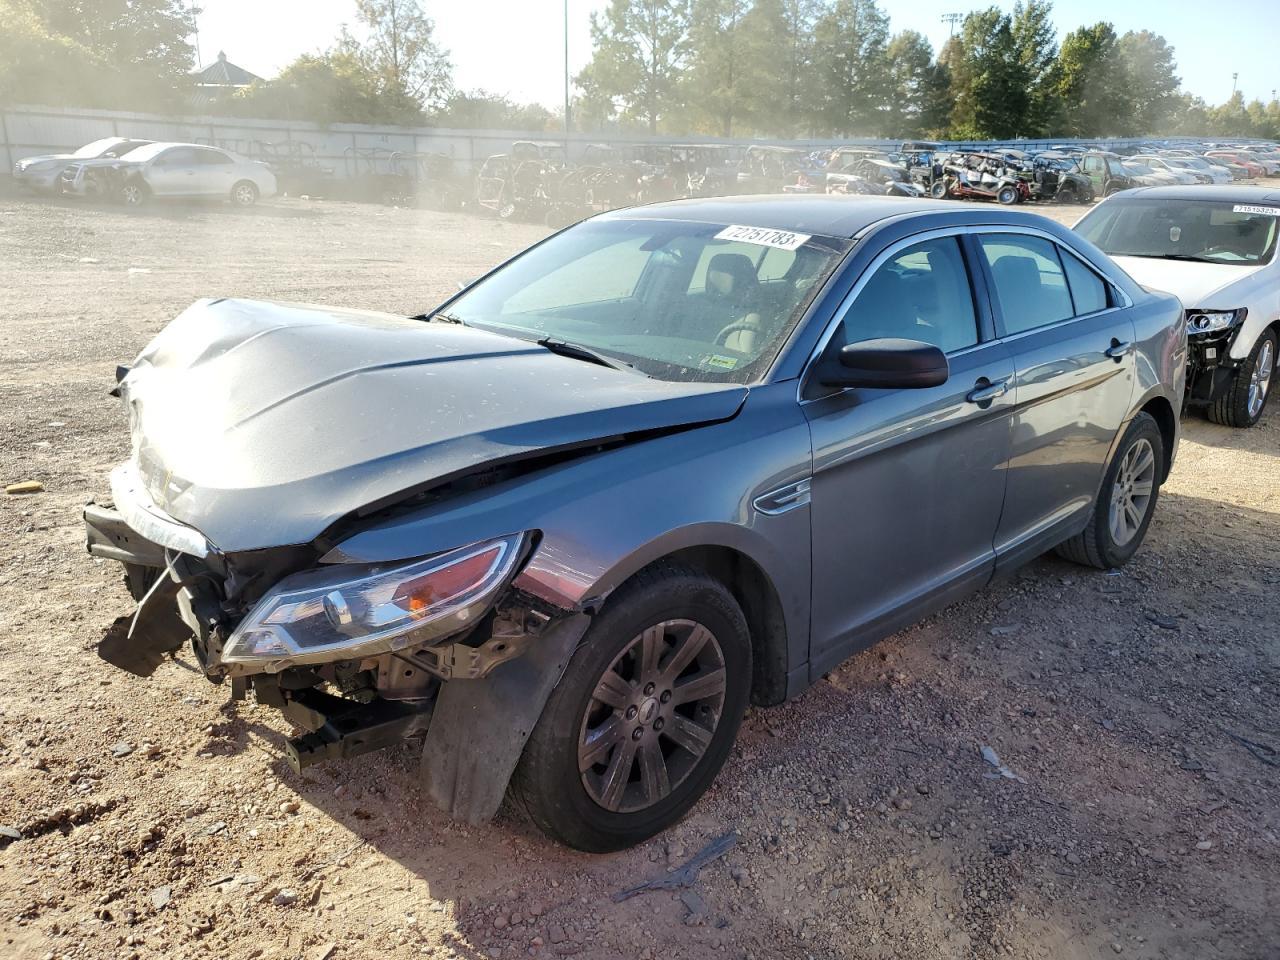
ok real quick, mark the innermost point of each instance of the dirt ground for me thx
(1140, 709)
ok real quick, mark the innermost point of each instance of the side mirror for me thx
(887, 363)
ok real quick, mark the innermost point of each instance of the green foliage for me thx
(480, 109)
(1150, 81)
(1093, 83)
(640, 48)
(132, 54)
(719, 75)
(851, 69)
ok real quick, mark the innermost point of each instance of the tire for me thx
(1137, 466)
(1067, 195)
(134, 193)
(938, 190)
(1007, 196)
(590, 809)
(244, 194)
(1241, 404)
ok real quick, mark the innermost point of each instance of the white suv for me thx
(1214, 247)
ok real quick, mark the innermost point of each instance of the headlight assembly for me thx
(347, 612)
(1213, 321)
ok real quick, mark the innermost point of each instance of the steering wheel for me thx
(736, 327)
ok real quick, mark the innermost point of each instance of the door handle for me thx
(1118, 349)
(985, 392)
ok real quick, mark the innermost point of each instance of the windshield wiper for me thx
(579, 352)
(441, 318)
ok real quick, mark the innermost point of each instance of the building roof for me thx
(223, 73)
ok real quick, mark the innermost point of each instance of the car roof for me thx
(831, 215)
(1222, 193)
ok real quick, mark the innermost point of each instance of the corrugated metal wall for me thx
(27, 131)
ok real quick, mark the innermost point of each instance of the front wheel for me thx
(244, 194)
(1007, 196)
(644, 716)
(938, 190)
(134, 193)
(1245, 397)
(1126, 502)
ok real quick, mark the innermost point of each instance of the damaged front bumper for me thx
(499, 661)
(1210, 366)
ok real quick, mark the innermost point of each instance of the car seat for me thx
(733, 287)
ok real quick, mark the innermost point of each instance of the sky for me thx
(516, 47)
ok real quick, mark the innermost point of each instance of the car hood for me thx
(262, 424)
(28, 162)
(1197, 285)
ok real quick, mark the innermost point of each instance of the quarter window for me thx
(1030, 285)
(923, 293)
(1088, 292)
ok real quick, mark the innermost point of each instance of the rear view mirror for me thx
(887, 363)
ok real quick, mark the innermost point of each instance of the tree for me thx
(1093, 83)
(401, 50)
(718, 73)
(989, 81)
(912, 86)
(1036, 50)
(851, 68)
(1151, 83)
(639, 50)
(96, 53)
(481, 109)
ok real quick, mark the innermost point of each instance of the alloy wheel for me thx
(1131, 492)
(1260, 378)
(131, 193)
(244, 195)
(652, 716)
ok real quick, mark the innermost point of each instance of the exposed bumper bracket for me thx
(343, 728)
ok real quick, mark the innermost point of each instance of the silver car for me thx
(43, 174)
(172, 170)
(562, 528)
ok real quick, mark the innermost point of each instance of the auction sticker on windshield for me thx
(782, 239)
(1251, 208)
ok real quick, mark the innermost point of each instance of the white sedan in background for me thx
(42, 174)
(172, 170)
(1214, 247)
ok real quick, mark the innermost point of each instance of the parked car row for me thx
(135, 171)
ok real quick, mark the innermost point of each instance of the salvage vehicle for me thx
(172, 170)
(563, 527)
(1255, 169)
(1108, 173)
(1057, 177)
(513, 186)
(1170, 169)
(980, 176)
(764, 169)
(43, 174)
(1215, 249)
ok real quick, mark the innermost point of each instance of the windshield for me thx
(1209, 231)
(676, 300)
(1140, 169)
(92, 150)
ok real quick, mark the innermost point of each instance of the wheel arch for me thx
(1166, 418)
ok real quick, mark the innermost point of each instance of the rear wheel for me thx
(1242, 402)
(1126, 502)
(644, 716)
(1007, 196)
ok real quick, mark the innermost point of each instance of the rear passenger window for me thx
(1088, 292)
(1030, 285)
(923, 293)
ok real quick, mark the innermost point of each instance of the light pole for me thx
(566, 78)
(1234, 78)
(951, 19)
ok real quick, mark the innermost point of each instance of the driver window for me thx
(922, 293)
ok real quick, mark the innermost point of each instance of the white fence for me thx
(346, 148)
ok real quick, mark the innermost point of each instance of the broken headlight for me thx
(347, 612)
(1213, 321)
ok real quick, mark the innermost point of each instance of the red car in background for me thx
(1255, 169)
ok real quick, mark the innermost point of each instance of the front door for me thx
(1074, 358)
(907, 485)
(173, 173)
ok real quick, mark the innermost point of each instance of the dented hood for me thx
(261, 424)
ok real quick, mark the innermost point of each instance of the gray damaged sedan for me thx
(560, 531)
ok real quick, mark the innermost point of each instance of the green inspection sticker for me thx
(723, 363)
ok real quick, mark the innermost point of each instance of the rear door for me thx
(1072, 342)
(214, 173)
(907, 485)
